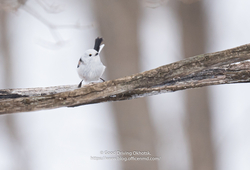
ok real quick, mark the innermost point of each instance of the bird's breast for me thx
(91, 71)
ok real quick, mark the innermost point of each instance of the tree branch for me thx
(225, 67)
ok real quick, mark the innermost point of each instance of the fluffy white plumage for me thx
(90, 67)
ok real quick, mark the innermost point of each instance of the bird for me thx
(89, 67)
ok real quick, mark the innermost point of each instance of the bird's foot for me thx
(102, 79)
(80, 84)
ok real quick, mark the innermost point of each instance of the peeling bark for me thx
(223, 67)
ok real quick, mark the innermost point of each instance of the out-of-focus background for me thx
(41, 42)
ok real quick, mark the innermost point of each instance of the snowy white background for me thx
(65, 138)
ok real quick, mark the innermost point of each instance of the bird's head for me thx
(88, 56)
(92, 55)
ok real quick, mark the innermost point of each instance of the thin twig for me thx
(53, 27)
(50, 8)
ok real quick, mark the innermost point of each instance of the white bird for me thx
(90, 67)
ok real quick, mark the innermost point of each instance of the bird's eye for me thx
(90, 55)
(96, 54)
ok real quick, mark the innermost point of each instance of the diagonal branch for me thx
(225, 67)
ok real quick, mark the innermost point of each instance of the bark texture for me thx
(223, 67)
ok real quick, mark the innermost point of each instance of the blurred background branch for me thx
(12, 132)
(49, 7)
(194, 29)
(59, 41)
(134, 125)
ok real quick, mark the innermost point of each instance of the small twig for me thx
(7, 5)
(154, 3)
(51, 8)
(225, 67)
(53, 27)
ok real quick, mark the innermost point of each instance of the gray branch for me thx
(224, 67)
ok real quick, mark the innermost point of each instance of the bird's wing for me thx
(79, 62)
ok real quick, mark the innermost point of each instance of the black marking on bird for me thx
(98, 42)
(79, 62)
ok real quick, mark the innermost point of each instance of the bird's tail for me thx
(101, 47)
(98, 42)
